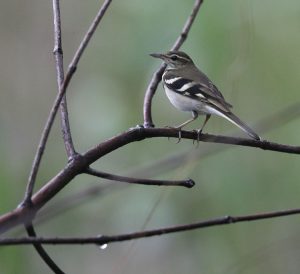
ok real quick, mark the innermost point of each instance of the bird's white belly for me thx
(185, 103)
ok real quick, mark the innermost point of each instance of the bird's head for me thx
(174, 59)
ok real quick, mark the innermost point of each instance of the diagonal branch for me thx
(60, 95)
(102, 240)
(81, 162)
(156, 78)
(189, 183)
(41, 251)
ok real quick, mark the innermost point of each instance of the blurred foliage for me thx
(250, 49)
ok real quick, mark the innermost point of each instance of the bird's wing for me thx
(203, 91)
(207, 85)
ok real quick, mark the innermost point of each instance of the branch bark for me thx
(59, 65)
(42, 252)
(189, 183)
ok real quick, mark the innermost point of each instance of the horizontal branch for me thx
(140, 133)
(81, 162)
(186, 183)
(102, 240)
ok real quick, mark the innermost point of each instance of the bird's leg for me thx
(194, 117)
(179, 127)
(199, 131)
(179, 136)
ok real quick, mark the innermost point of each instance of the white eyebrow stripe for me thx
(187, 86)
(172, 80)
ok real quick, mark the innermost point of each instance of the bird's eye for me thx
(174, 57)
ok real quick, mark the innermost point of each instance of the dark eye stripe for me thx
(174, 57)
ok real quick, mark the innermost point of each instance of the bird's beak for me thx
(157, 55)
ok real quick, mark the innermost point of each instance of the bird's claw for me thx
(179, 133)
(198, 132)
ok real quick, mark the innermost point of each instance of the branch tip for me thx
(190, 183)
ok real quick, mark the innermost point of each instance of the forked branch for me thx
(59, 97)
(81, 162)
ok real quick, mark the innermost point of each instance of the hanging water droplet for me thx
(104, 246)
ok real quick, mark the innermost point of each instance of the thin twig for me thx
(59, 64)
(156, 78)
(189, 183)
(65, 127)
(101, 240)
(56, 104)
(41, 251)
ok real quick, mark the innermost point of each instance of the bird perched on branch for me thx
(189, 89)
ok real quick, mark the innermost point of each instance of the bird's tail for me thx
(235, 120)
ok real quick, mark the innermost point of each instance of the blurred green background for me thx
(250, 49)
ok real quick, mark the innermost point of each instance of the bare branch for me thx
(41, 251)
(60, 95)
(189, 183)
(101, 240)
(58, 55)
(79, 164)
(156, 78)
(65, 126)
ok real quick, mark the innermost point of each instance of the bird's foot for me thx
(179, 133)
(198, 132)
